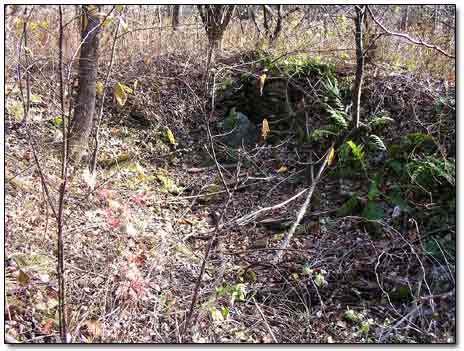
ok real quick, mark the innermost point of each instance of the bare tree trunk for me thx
(252, 15)
(277, 29)
(359, 22)
(81, 124)
(175, 16)
(215, 19)
(268, 19)
(436, 18)
(404, 18)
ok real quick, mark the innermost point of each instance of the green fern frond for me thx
(319, 134)
(376, 142)
(338, 118)
(357, 150)
(380, 120)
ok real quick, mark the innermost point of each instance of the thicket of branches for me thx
(78, 78)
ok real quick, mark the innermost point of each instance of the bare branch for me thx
(409, 38)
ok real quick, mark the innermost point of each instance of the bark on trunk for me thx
(81, 124)
(215, 19)
(175, 16)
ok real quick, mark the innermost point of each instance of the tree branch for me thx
(409, 38)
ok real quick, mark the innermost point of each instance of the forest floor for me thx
(136, 238)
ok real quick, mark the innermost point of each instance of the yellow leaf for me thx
(171, 138)
(107, 21)
(331, 156)
(262, 80)
(85, 23)
(92, 9)
(124, 25)
(33, 26)
(120, 94)
(19, 26)
(100, 88)
(140, 172)
(282, 169)
(127, 89)
(265, 129)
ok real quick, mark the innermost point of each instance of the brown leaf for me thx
(23, 278)
(185, 221)
(93, 327)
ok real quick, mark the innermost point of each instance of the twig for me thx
(265, 321)
(407, 37)
(61, 201)
(397, 324)
(26, 100)
(217, 219)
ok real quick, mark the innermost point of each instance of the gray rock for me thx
(238, 128)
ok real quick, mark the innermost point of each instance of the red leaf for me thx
(114, 223)
(47, 327)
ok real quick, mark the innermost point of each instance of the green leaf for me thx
(221, 291)
(225, 312)
(319, 280)
(338, 118)
(396, 198)
(351, 316)
(380, 121)
(351, 207)
(396, 166)
(58, 121)
(364, 327)
(36, 99)
(373, 211)
(357, 150)
(216, 315)
(374, 191)
(239, 292)
(319, 134)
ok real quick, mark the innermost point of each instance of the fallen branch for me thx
(251, 216)
(210, 168)
(304, 207)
